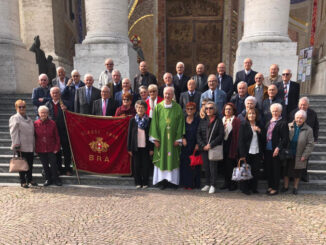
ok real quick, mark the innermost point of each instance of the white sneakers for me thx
(205, 188)
(211, 190)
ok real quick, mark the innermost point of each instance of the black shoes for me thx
(47, 183)
(295, 191)
(58, 182)
(24, 185)
(283, 190)
(224, 186)
(32, 183)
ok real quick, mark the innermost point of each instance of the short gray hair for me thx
(53, 88)
(166, 88)
(304, 98)
(142, 103)
(153, 86)
(88, 75)
(302, 113)
(252, 98)
(180, 63)
(43, 107)
(213, 104)
(116, 71)
(278, 105)
(60, 68)
(142, 87)
(74, 71)
(242, 82)
(41, 75)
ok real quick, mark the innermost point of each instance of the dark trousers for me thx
(228, 167)
(49, 162)
(66, 152)
(273, 169)
(26, 176)
(210, 169)
(254, 161)
(141, 166)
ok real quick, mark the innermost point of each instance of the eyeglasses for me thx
(43, 80)
(22, 107)
(209, 108)
(75, 76)
(125, 99)
(110, 64)
(285, 74)
(212, 80)
(153, 91)
(190, 109)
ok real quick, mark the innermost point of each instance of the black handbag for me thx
(285, 154)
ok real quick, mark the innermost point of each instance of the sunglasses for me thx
(21, 107)
(209, 108)
(285, 74)
(125, 99)
(190, 109)
(75, 75)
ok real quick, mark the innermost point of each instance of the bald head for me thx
(143, 67)
(273, 70)
(259, 78)
(221, 69)
(247, 63)
(200, 69)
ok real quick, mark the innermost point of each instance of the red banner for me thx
(99, 144)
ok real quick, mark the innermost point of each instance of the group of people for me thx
(258, 120)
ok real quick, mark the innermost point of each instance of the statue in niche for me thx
(135, 40)
(40, 55)
(52, 70)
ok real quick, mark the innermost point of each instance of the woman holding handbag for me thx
(22, 136)
(210, 134)
(189, 176)
(251, 149)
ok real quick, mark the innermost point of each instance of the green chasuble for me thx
(167, 126)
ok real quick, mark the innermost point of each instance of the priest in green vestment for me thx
(166, 132)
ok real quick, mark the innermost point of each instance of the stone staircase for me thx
(317, 165)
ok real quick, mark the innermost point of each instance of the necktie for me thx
(88, 95)
(213, 96)
(285, 92)
(104, 108)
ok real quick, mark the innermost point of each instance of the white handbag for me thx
(215, 153)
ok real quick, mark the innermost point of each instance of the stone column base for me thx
(90, 58)
(18, 69)
(264, 54)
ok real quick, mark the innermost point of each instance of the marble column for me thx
(265, 38)
(107, 37)
(18, 69)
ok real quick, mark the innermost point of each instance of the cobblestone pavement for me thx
(70, 215)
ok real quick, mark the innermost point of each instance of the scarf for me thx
(142, 122)
(227, 126)
(271, 128)
(152, 104)
(294, 141)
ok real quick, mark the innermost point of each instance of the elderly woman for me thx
(126, 109)
(277, 138)
(153, 99)
(210, 127)
(143, 93)
(230, 144)
(250, 103)
(189, 176)
(202, 113)
(47, 144)
(139, 146)
(251, 148)
(301, 145)
(22, 136)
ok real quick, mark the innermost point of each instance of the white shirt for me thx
(254, 147)
(62, 86)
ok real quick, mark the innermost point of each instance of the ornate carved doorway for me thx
(194, 34)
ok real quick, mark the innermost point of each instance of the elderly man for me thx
(250, 103)
(41, 95)
(56, 107)
(273, 77)
(272, 99)
(225, 82)
(247, 75)
(144, 77)
(166, 132)
(86, 95)
(180, 79)
(104, 106)
(69, 92)
(61, 80)
(213, 93)
(258, 90)
(200, 78)
(289, 91)
(106, 75)
(239, 98)
(192, 95)
(312, 121)
(168, 82)
(116, 85)
(126, 87)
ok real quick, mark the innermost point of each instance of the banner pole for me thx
(72, 152)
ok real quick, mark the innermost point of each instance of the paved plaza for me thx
(70, 215)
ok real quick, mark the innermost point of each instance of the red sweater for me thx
(46, 136)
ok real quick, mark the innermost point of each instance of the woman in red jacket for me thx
(47, 144)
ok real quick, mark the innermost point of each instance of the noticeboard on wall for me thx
(304, 66)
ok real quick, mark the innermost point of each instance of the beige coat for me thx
(22, 133)
(305, 144)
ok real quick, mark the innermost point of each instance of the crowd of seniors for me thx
(258, 120)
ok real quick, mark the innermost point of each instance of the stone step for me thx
(4, 135)
(317, 165)
(320, 148)
(317, 174)
(318, 156)
(322, 132)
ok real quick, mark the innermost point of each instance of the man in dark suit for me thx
(272, 99)
(258, 90)
(180, 80)
(225, 81)
(104, 106)
(247, 75)
(192, 95)
(289, 91)
(200, 78)
(69, 92)
(41, 94)
(61, 80)
(238, 99)
(144, 77)
(56, 107)
(168, 82)
(86, 95)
